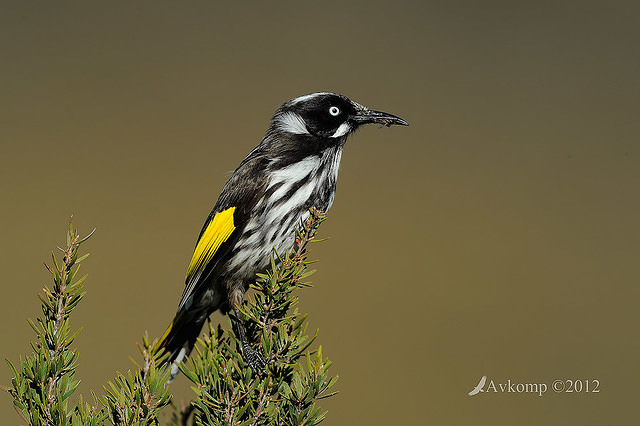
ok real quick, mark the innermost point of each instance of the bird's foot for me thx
(254, 359)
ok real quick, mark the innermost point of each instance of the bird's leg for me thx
(250, 355)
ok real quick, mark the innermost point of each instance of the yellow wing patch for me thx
(216, 233)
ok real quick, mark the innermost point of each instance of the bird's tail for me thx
(179, 338)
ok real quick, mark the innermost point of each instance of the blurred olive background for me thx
(497, 235)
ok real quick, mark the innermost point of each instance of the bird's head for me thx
(313, 124)
(327, 116)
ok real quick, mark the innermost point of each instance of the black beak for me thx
(367, 116)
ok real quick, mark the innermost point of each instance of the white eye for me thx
(334, 111)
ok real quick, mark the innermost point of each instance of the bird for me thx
(269, 195)
(479, 386)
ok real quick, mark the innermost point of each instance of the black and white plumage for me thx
(267, 197)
